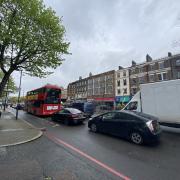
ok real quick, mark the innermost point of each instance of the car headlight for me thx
(150, 126)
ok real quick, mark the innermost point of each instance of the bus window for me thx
(52, 96)
(37, 103)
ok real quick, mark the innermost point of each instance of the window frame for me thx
(160, 63)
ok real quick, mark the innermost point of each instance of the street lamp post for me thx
(18, 96)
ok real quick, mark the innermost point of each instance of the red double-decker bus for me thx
(43, 101)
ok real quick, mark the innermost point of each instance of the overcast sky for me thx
(107, 33)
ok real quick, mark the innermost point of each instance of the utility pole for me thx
(19, 96)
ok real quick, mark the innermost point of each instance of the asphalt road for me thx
(99, 156)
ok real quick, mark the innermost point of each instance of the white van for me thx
(161, 99)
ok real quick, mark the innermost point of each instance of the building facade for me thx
(151, 71)
(71, 89)
(101, 87)
(81, 89)
(122, 85)
(63, 94)
(77, 90)
(119, 86)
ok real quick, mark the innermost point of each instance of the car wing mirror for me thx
(102, 118)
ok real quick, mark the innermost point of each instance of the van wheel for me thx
(93, 128)
(136, 138)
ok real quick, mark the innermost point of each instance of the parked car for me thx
(69, 116)
(135, 126)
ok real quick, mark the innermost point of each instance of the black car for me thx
(20, 106)
(135, 126)
(69, 116)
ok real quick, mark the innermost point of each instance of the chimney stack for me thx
(133, 63)
(148, 58)
(169, 54)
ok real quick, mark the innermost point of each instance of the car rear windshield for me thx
(73, 111)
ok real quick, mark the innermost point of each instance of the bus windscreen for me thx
(53, 96)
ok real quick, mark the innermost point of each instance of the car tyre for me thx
(75, 121)
(93, 128)
(136, 138)
(66, 122)
(53, 118)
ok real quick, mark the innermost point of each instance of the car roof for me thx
(72, 109)
(139, 115)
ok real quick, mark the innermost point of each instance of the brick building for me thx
(163, 69)
(77, 90)
(99, 88)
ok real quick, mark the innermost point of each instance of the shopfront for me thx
(105, 101)
(121, 101)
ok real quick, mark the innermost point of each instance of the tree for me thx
(15, 99)
(10, 85)
(31, 39)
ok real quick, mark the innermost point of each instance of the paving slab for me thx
(14, 132)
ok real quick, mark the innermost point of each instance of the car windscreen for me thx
(74, 111)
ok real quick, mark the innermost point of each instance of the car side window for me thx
(125, 116)
(64, 111)
(121, 116)
(108, 116)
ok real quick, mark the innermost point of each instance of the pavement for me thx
(14, 132)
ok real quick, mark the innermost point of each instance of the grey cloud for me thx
(107, 33)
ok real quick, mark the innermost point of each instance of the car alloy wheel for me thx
(136, 138)
(93, 128)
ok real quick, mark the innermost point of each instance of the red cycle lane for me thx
(83, 154)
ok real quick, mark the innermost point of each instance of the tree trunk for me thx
(4, 82)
